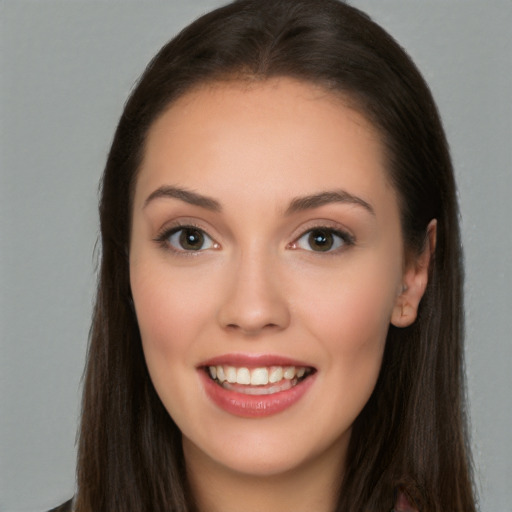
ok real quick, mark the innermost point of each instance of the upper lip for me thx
(253, 360)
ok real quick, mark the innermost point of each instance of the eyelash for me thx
(345, 239)
(163, 239)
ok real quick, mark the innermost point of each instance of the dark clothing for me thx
(65, 507)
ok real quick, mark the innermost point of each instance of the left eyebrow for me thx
(335, 196)
(184, 195)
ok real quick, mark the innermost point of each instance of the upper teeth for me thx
(255, 376)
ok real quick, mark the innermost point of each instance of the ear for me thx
(414, 281)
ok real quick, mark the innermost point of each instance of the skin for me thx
(259, 287)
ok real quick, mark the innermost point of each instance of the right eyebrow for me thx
(331, 196)
(173, 192)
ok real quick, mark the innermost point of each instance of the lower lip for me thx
(254, 406)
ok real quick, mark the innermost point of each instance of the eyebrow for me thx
(184, 195)
(316, 200)
(297, 204)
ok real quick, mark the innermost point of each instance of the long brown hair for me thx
(411, 436)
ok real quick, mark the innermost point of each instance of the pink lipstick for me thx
(252, 385)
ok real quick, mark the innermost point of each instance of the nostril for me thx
(248, 329)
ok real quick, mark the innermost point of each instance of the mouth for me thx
(264, 380)
(256, 385)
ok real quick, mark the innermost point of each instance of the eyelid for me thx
(335, 228)
(322, 223)
(162, 238)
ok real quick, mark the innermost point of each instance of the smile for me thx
(255, 386)
(258, 381)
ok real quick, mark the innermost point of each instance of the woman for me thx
(278, 320)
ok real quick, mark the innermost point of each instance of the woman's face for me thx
(266, 263)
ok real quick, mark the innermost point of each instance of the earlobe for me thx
(414, 284)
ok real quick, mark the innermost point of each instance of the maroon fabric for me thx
(403, 504)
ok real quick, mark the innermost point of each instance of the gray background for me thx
(65, 71)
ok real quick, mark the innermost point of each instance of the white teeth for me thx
(231, 374)
(276, 374)
(243, 376)
(256, 376)
(289, 372)
(259, 377)
(264, 390)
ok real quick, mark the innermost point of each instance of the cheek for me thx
(350, 321)
(349, 312)
(170, 322)
(171, 312)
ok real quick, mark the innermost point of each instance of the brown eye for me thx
(320, 240)
(189, 239)
(323, 240)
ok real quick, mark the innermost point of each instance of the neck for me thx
(315, 485)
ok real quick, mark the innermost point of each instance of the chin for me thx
(266, 453)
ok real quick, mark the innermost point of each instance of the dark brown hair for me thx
(411, 435)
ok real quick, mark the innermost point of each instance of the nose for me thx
(254, 300)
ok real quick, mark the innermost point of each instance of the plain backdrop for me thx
(66, 69)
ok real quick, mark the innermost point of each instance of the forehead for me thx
(276, 135)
